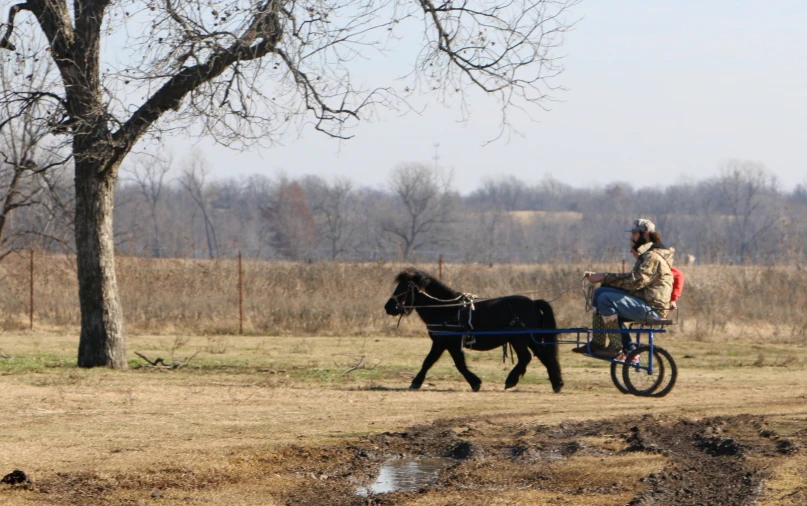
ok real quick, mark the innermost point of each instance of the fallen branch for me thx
(359, 364)
(159, 363)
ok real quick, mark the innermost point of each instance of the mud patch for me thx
(630, 460)
(704, 461)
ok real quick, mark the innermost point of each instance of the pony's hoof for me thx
(476, 387)
(415, 386)
(510, 385)
(557, 388)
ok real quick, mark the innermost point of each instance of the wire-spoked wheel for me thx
(616, 377)
(642, 382)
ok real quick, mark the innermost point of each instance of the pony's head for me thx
(408, 282)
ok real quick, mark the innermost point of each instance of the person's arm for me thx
(637, 278)
(594, 277)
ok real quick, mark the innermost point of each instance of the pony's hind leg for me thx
(455, 349)
(524, 357)
(434, 355)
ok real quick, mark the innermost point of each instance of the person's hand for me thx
(594, 277)
(673, 304)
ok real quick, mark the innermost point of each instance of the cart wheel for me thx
(644, 383)
(616, 377)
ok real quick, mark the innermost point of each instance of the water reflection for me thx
(405, 475)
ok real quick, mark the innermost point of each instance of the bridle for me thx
(401, 304)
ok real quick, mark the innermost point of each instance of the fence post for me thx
(31, 293)
(623, 266)
(440, 267)
(240, 297)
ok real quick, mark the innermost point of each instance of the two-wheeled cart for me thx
(648, 370)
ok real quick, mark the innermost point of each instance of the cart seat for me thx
(658, 321)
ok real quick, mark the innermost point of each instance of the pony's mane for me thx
(426, 282)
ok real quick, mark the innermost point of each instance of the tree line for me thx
(173, 208)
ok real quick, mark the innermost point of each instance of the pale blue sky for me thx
(658, 91)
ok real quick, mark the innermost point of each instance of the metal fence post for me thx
(31, 293)
(240, 297)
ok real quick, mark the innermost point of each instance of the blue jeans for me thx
(613, 301)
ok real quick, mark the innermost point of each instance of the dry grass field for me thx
(307, 405)
(167, 296)
(284, 420)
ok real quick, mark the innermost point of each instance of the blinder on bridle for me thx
(400, 305)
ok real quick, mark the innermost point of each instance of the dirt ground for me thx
(649, 461)
(289, 421)
(646, 461)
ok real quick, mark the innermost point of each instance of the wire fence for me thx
(240, 295)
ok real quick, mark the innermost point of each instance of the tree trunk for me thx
(102, 342)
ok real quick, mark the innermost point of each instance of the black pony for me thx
(440, 307)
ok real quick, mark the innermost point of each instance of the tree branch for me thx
(5, 42)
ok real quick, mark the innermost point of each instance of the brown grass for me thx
(224, 429)
(167, 296)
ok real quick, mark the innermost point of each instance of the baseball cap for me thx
(643, 225)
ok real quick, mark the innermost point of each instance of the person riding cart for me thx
(641, 295)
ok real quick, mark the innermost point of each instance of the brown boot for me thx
(599, 345)
(614, 339)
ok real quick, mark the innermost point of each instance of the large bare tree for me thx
(242, 70)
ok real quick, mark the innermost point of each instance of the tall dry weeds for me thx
(166, 296)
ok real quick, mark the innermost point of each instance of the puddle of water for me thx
(405, 475)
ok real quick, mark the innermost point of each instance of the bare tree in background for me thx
(292, 230)
(427, 205)
(748, 194)
(490, 217)
(256, 191)
(31, 160)
(332, 207)
(247, 70)
(193, 181)
(149, 174)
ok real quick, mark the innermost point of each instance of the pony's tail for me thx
(548, 315)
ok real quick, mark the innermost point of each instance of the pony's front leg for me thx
(524, 358)
(455, 349)
(438, 347)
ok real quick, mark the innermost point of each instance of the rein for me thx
(588, 294)
(464, 298)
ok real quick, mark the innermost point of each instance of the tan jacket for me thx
(651, 279)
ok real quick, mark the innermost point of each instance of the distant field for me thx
(561, 217)
(306, 420)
